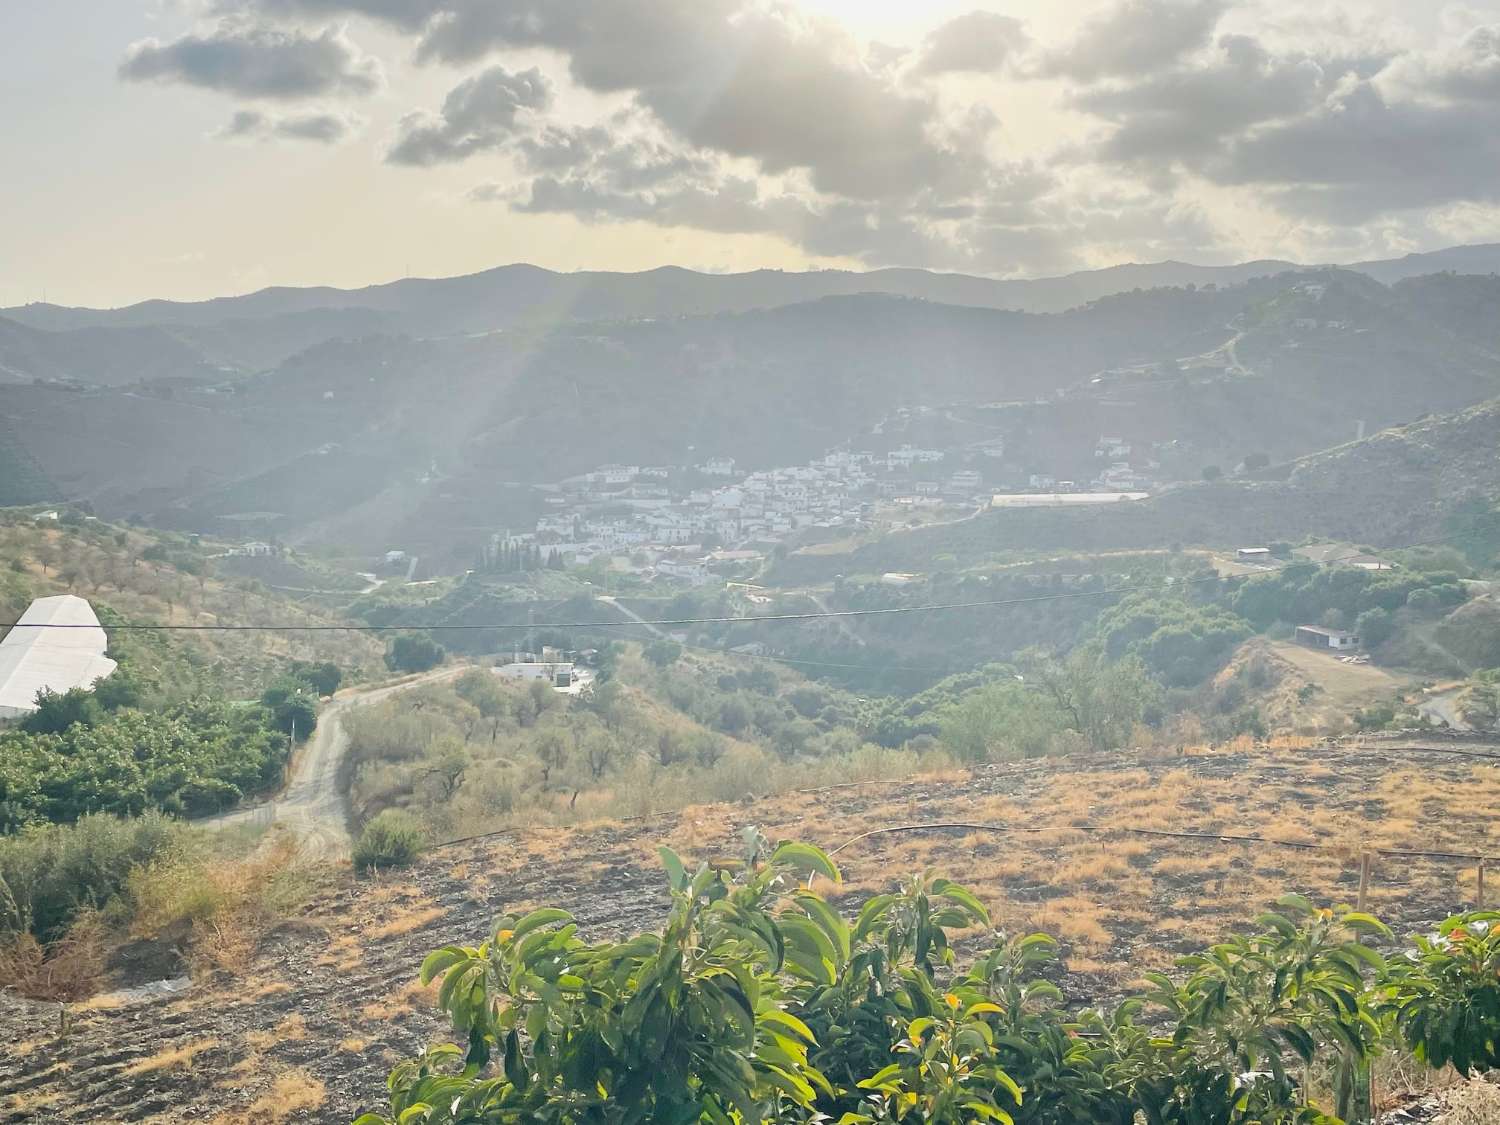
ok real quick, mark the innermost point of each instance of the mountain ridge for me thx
(591, 288)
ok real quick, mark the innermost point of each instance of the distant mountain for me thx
(430, 443)
(101, 356)
(258, 330)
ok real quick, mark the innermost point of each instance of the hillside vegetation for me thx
(324, 1004)
(146, 577)
(407, 436)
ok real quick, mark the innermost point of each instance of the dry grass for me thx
(227, 904)
(290, 1030)
(1076, 921)
(26, 1104)
(354, 1045)
(1473, 1103)
(344, 953)
(169, 1058)
(403, 1002)
(405, 923)
(290, 1094)
(70, 969)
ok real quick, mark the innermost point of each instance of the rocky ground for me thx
(307, 1030)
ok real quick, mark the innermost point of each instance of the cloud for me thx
(324, 127)
(751, 80)
(1185, 112)
(478, 115)
(1467, 71)
(757, 116)
(1362, 155)
(408, 15)
(257, 62)
(1135, 37)
(979, 42)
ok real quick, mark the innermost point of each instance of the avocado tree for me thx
(758, 1002)
(1445, 996)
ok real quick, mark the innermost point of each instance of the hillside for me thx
(307, 1024)
(101, 356)
(408, 438)
(21, 481)
(255, 330)
(1402, 486)
(133, 576)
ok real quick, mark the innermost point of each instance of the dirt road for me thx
(315, 804)
(1442, 709)
(611, 600)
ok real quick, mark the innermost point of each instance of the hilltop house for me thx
(1316, 636)
(34, 658)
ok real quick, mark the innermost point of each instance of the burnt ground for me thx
(328, 1001)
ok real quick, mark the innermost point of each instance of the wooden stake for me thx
(1364, 881)
(1479, 904)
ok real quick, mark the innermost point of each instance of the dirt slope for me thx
(307, 1032)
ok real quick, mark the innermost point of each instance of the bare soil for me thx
(329, 1000)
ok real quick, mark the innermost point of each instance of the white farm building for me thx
(51, 659)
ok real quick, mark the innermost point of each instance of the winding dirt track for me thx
(315, 804)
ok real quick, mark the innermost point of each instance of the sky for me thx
(195, 148)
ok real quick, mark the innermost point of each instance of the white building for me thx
(252, 551)
(907, 456)
(1316, 636)
(695, 573)
(718, 467)
(34, 659)
(558, 674)
(613, 474)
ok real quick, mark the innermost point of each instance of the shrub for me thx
(758, 1002)
(51, 875)
(391, 839)
(323, 676)
(663, 653)
(1446, 998)
(1376, 626)
(66, 970)
(413, 653)
(220, 906)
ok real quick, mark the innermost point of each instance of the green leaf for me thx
(805, 857)
(789, 1021)
(677, 876)
(827, 918)
(537, 919)
(963, 896)
(440, 961)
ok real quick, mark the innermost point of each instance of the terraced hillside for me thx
(307, 1030)
(21, 479)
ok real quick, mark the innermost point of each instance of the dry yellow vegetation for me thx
(342, 971)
